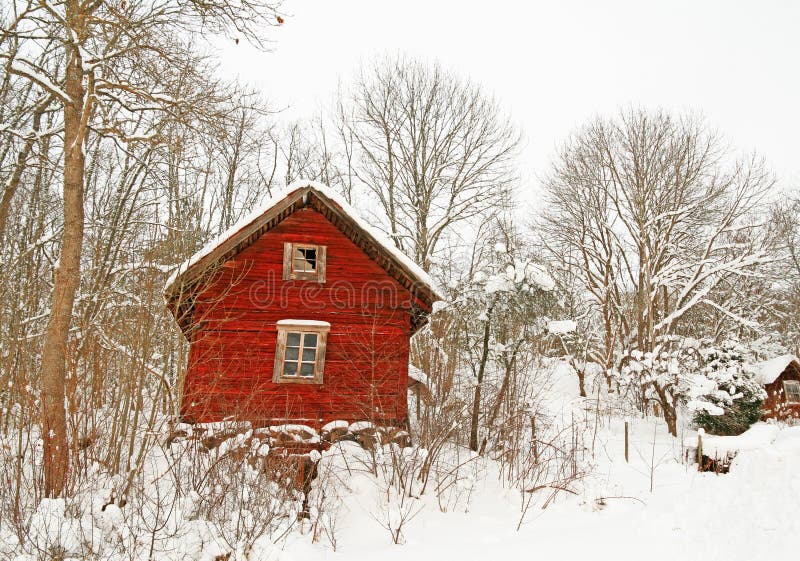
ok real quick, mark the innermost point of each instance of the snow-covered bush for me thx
(727, 398)
(714, 382)
(201, 496)
(663, 377)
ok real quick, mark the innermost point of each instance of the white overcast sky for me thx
(553, 65)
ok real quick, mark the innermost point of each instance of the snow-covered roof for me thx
(417, 375)
(304, 322)
(769, 370)
(419, 380)
(217, 249)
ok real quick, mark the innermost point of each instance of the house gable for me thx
(182, 287)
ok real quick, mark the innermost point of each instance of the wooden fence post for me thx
(700, 433)
(626, 441)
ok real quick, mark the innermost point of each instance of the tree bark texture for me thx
(66, 277)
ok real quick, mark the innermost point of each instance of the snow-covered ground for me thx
(655, 506)
(746, 514)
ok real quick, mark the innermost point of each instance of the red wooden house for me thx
(301, 313)
(780, 377)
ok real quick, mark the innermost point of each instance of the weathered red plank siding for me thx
(233, 348)
(776, 406)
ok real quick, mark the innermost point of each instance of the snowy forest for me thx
(587, 345)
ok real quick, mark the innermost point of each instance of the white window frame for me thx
(285, 327)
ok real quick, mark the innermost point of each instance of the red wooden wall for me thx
(233, 345)
(776, 406)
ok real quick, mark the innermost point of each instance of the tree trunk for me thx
(65, 283)
(476, 403)
(22, 161)
(671, 417)
(581, 381)
(669, 410)
(509, 368)
(498, 401)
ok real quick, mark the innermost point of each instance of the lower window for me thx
(300, 352)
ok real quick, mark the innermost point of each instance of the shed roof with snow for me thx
(769, 370)
(780, 377)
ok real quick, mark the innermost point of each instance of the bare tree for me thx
(645, 210)
(247, 157)
(433, 148)
(111, 51)
(311, 150)
(783, 290)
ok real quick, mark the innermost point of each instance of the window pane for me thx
(310, 340)
(792, 390)
(309, 355)
(292, 353)
(290, 369)
(307, 369)
(293, 340)
(304, 259)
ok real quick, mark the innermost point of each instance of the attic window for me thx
(792, 390)
(304, 261)
(300, 352)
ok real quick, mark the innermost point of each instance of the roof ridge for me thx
(290, 194)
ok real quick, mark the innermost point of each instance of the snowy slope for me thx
(656, 506)
(687, 515)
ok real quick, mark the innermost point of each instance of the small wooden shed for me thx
(301, 313)
(780, 377)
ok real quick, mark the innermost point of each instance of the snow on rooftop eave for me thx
(414, 270)
(303, 322)
(417, 375)
(769, 370)
(240, 225)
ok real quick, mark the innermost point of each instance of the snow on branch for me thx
(30, 72)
